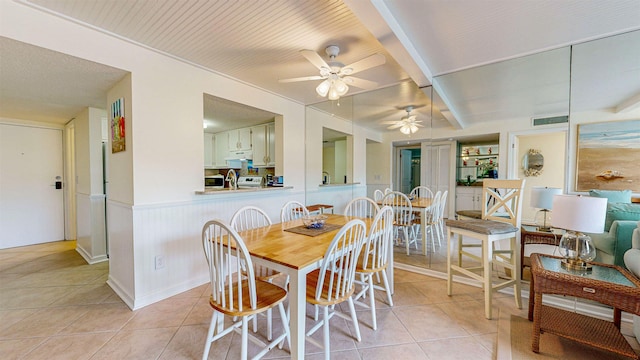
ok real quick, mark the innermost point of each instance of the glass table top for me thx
(601, 273)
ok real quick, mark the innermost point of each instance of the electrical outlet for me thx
(159, 262)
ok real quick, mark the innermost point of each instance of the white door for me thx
(31, 208)
(405, 171)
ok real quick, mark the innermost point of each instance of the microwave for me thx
(214, 181)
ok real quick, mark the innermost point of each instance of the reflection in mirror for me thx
(240, 137)
(605, 94)
(487, 108)
(331, 176)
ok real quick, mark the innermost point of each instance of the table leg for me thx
(617, 316)
(449, 272)
(297, 306)
(423, 225)
(535, 336)
(532, 293)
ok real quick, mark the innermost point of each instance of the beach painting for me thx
(609, 156)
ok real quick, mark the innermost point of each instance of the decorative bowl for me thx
(314, 221)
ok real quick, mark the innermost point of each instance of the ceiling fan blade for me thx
(389, 122)
(394, 126)
(367, 63)
(304, 78)
(314, 58)
(360, 83)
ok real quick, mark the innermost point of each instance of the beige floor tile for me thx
(188, 343)
(470, 316)
(44, 322)
(456, 349)
(390, 330)
(136, 344)
(103, 317)
(200, 313)
(85, 295)
(17, 298)
(80, 346)
(10, 317)
(17, 349)
(428, 322)
(167, 313)
(405, 352)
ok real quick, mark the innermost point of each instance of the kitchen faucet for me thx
(232, 179)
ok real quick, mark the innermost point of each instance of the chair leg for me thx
(387, 289)
(269, 325)
(372, 302)
(285, 325)
(354, 318)
(515, 273)
(212, 328)
(325, 335)
(245, 338)
(487, 262)
(449, 271)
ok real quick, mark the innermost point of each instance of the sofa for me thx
(621, 221)
(632, 262)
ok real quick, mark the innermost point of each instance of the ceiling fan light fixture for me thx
(341, 87)
(323, 88)
(405, 129)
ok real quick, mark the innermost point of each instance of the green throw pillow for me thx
(621, 211)
(613, 196)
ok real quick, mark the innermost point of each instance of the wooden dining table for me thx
(296, 255)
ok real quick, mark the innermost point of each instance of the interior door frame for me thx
(69, 186)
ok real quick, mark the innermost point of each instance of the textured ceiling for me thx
(258, 42)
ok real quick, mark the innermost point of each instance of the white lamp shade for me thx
(542, 197)
(579, 213)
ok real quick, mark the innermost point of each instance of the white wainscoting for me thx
(338, 196)
(121, 264)
(91, 239)
(174, 232)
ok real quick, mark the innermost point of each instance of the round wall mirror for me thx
(533, 163)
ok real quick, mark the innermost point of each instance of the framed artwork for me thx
(609, 156)
(117, 126)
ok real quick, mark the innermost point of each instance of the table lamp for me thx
(542, 198)
(577, 215)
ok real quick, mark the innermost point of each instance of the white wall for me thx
(162, 164)
(90, 199)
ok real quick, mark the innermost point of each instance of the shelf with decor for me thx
(476, 162)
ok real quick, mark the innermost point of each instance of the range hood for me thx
(240, 155)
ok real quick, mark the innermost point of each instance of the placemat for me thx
(313, 232)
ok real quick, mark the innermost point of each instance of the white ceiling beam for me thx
(629, 104)
(376, 16)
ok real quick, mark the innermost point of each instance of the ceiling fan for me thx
(408, 124)
(336, 75)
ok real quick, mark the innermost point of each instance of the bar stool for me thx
(501, 205)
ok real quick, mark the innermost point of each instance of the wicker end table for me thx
(607, 284)
(530, 235)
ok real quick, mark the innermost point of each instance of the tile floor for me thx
(55, 306)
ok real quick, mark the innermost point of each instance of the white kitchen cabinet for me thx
(209, 151)
(221, 141)
(468, 198)
(263, 144)
(239, 139)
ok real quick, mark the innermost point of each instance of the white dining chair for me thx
(334, 282)
(247, 218)
(238, 297)
(402, 217)
(374, 259)
(293, 210)
(440, 220)
(431, 222)
(362, 207)
(378, 195)
(421, 191)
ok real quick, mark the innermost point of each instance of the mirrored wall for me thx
(503, 111)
